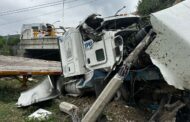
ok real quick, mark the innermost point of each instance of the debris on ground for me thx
(40, 114)
(70, 109)
(114, 112)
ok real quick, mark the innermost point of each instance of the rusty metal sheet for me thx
(170, 50)
(12, 65)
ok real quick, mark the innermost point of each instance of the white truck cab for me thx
(93, 46)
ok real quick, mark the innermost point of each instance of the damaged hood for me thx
(170, 51)
(119, 22)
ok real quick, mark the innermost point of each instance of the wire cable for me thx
(35, 7)
(48, 13)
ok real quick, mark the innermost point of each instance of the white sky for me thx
(11, 24)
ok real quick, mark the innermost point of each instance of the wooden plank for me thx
(12, 65)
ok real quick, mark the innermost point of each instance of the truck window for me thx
(100, 55)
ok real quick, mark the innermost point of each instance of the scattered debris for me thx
(167, 112)
(70, 109)
(44, 91)
(40, 114)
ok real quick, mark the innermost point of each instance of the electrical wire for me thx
(28, 8)
(33, 17)
(40, 6)
(48, 13)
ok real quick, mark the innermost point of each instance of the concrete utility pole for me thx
(63, 13)
(7, 39)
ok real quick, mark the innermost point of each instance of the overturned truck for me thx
(122, 57)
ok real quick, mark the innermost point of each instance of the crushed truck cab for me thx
(98, 46)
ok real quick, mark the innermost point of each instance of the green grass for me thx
(10, 90)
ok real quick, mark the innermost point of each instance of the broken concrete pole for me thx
(70, 109)
(116, 81)
(103, 99)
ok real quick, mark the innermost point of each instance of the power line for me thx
(28, 7)
(35, 7)
(53, 12)
(44, 14)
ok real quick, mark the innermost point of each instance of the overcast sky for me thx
(74, 12)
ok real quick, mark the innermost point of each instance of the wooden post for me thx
(25, 79)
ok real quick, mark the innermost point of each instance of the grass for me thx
(10, 90)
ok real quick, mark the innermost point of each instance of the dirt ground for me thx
(116, 111)
(10, 90)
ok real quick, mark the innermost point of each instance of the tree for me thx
(7, 44)
(146, 7)
(2, 41)
(13, 41)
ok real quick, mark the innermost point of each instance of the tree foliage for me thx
(7, 44)
(13, 41)
(146, 7)
(2, 41)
